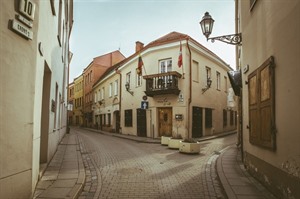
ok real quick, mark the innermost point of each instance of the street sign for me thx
(144, 105)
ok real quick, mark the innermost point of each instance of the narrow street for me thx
(120, 168)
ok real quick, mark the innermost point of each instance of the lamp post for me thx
(207, 24)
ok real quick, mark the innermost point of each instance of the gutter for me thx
(190, 86)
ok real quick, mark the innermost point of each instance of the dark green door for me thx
(197, 122)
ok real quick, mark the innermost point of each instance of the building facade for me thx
(71, 89)
(90, 75)
(106, 105)
(159, 98)
(33, 118)
(78, 101)
(269, 61)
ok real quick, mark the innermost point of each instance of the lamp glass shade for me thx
(207, 24)
(127, 85)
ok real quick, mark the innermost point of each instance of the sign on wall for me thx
(27, 8)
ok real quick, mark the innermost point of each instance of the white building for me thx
(34, 78)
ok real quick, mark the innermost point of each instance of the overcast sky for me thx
(103, 26)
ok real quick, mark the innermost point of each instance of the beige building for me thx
(78, 101)
(34, 57)
(106, 106)
(269, 61)
(166, 99)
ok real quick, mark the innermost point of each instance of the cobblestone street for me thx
(119, 168)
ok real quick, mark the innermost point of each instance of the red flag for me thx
(140, 64)
(180, 56)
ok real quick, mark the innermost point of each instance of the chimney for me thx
(138, 46)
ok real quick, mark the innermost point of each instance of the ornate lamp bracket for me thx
(234, 39)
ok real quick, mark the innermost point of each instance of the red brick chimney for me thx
(138, 46)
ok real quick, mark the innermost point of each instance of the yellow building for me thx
(34, 57)
(166, 99)
(71, 103)
(269, 61)
(78, 101)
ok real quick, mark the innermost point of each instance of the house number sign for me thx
(27, 8)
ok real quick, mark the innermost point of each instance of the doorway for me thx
(197, 123)
(141, 120)
(117, 117)
(45, 113)
(164, 121)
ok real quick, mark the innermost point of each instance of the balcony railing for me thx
(162, 83)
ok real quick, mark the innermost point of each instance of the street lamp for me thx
(207, 23)
(127, 88)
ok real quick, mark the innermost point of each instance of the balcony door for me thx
(165, 121)
(165, 66)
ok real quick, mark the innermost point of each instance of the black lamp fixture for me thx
(127, 86)
(207, 24)
(208, 84)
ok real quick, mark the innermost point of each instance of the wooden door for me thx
(141, 121)
(165, 121)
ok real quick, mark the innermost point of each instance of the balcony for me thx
(162, 84)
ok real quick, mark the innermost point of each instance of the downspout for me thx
(240, 98)
(120, 104)
(190, 86)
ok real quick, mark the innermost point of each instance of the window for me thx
(208, 117)
(116, 89)
(109, 119)
(138, 79)
(59, 22)
(252, 3)
(128, 118)
(128, 78)
(195, 71)
(102, 93)
(110, 89)
(225, 84)
(208, 74)
(218, 81)
(165, 65)
(52, 7)
(224, 117)
(261, 105)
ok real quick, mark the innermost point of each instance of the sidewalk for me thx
(65, 175)
(236, 181)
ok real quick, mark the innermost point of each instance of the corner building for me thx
(168, 100)
(34, 65)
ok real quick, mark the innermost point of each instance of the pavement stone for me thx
(64, 177)
(74, 173)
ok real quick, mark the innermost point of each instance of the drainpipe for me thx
(120, 104)
(240, 98)
(190, 86)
